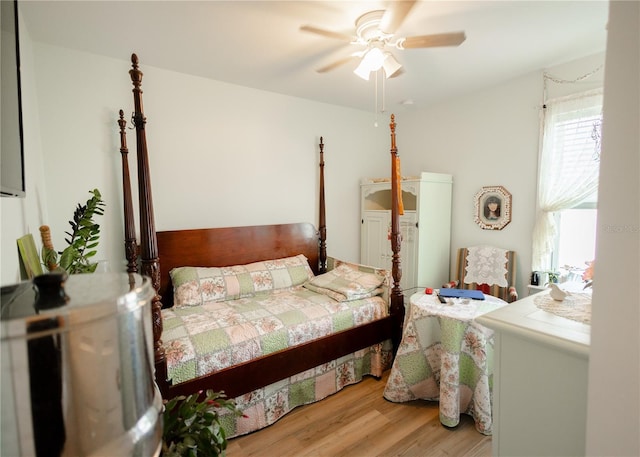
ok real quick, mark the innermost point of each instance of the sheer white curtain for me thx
(568, 165)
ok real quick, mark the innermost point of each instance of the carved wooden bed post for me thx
(322, 224)
(258, 243)
(397, 298)
(150, 264)
(130, 244)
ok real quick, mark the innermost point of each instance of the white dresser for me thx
(425, 228)
(540, 380)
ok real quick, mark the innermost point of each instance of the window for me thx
(576, 240)
(568, 171)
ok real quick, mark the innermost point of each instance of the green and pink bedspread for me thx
(226, 316)
(217, 335)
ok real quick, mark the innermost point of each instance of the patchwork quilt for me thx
(226, 316)
(217, 335)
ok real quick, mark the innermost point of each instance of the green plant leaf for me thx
(192, 425)
(83, 237)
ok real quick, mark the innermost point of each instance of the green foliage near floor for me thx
(191, 425)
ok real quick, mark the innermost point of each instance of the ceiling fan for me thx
(375, 32)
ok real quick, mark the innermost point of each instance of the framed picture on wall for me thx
(493, 208)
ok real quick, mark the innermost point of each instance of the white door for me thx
(375, 244)
(374, 241)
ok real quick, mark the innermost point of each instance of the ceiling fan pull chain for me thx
(384, 86)
(375, 97)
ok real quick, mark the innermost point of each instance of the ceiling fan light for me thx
(362, 71)
(390, 65)
(372, 60)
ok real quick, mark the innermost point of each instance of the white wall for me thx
(24, 215)
(221, 155)
(78, 96)
(256, 152)
(613, 412)
(491, 138)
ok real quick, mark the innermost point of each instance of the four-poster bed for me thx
(162, 252)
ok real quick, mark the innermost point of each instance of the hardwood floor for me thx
(359, 422)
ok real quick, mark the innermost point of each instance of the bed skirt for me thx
(265, 406)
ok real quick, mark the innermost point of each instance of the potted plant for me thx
(553, 276)
(82, 241)
(191, 425)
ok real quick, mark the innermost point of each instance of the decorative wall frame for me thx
(493, 208)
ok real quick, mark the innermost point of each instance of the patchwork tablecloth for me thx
(446, 356)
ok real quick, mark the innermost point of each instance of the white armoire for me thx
(425, 228)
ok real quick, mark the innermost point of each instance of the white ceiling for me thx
(258, 44)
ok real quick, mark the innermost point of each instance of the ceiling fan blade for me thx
(336, 63)
(395, 15)
(326, 33)
(431, 41)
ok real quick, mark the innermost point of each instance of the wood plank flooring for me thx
(359, 422)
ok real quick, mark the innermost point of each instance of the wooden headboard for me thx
(221, 247)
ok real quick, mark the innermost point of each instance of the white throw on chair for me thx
(487, 268)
